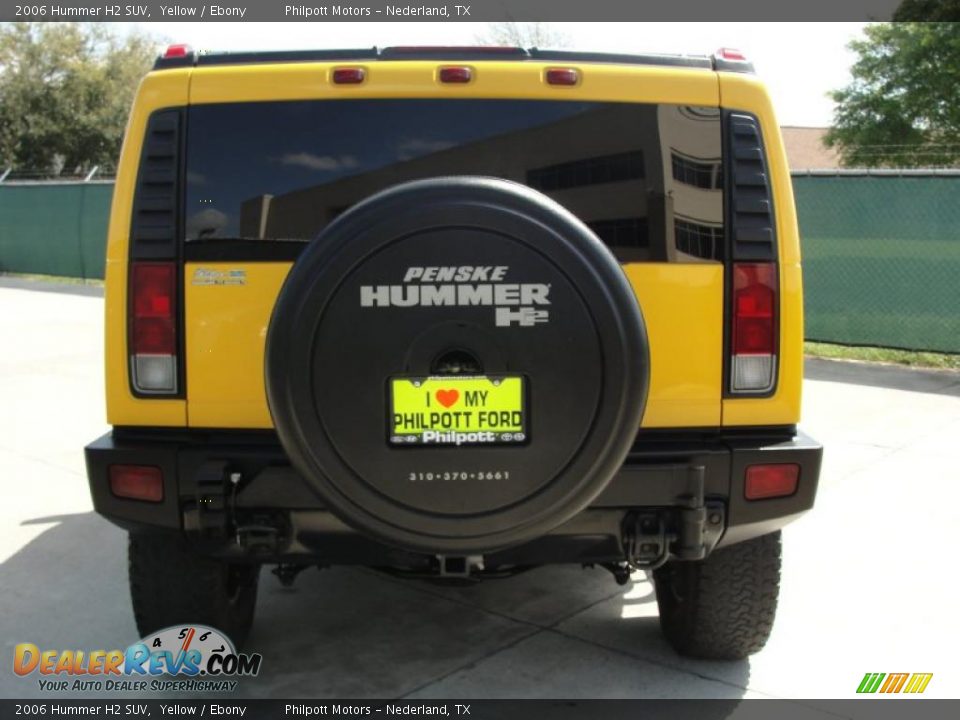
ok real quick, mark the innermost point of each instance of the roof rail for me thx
(191, 58)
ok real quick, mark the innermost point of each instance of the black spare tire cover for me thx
(535, 294)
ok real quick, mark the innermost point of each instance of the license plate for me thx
(457, 410)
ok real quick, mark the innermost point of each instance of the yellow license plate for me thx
(457, 410)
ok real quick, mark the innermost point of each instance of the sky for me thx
(799, 62)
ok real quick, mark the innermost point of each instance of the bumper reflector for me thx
(137, 482)
(771, 481)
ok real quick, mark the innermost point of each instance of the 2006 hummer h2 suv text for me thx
(454, 313)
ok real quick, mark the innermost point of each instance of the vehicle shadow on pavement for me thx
(555, 632)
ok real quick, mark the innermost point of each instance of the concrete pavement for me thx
(868, 582)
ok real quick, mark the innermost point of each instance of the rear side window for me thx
(648, 179)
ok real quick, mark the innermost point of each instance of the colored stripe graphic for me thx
(918, 682)
(894, 683)
(870, 682)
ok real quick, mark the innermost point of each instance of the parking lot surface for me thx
(869, 583)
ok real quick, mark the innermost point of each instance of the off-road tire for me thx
(331, 355)
(171, 583)
(721, 608)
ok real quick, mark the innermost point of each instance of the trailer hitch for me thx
(688, 530)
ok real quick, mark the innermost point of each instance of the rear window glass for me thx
(646, 178)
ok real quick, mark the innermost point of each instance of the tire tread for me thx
(722, 607)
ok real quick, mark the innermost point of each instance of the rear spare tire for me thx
(446, 278)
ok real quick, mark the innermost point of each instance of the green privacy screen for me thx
(54, 229)
(881, 253)
(881, 259)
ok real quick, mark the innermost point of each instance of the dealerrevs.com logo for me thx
(181, 658)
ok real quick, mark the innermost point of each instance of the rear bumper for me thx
(683, 490)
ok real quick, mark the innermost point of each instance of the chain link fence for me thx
(881, 258)
(54, 228)
(881, 250)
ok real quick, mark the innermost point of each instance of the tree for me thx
(927, 11)
(902, 108)
(525, 35)
(65, 90)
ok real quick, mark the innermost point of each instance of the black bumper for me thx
(683, 490)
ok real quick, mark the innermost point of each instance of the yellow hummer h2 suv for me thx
(454, 313)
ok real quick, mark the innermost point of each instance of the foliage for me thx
(943, 361)
(928, 10)
(525, 35)
(65, 90)
(902, 108)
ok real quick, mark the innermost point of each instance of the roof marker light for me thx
(349, 75)
(456, 74)
(562, 76)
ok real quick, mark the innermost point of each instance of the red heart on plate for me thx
(447, 397)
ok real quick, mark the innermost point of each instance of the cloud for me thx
(324, 163)
(205, 223)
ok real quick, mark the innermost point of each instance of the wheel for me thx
(170, 584)
(450, 278)
(721, 608)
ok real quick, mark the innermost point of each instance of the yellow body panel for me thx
(410, 79)
(226, 325)
(225, 336)
(745, 92)
(158, 90)
(683, 309)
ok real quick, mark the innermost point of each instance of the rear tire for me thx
(172, 584)
(721, 608)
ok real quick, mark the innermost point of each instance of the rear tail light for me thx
(770, 481)
(753, 342)
(562, 76)
(455, 74)
(153, 327)
(137, 482)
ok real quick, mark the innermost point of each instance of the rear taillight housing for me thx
(753, 337)
(153, 328)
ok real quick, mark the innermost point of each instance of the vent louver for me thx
(752, 227)
(154, 231)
